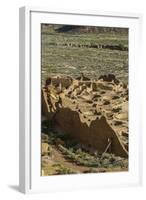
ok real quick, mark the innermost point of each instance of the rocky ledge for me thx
(93, 111)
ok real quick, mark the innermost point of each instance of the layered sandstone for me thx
(93, 111)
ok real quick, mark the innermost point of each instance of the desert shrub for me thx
(83, 158)
(79, 151)
(121, 47)
(60, 169)
(90, 170)
(44, 138)
(80, 157)
(71, 150)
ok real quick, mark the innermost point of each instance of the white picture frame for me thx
(30, 93)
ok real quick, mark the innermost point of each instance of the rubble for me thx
(93, 111)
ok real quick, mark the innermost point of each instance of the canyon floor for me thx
(84, 82)
(85, 125)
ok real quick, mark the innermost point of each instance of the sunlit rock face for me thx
(93, 111)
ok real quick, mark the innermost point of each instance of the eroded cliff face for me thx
(94, 112)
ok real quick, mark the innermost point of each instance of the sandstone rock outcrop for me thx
(93, 111)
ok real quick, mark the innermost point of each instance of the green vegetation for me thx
(74, 153)
(94, 54)
(81, 157)
(60, 169)
(90, 53)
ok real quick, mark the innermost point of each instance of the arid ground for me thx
(84, 99)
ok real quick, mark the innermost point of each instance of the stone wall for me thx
(96, 135)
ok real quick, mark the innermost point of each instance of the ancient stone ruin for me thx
(93, 111)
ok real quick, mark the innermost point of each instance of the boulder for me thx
(44, 148)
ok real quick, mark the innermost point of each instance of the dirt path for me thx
(58, 158)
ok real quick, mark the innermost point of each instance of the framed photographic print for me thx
(79, 94)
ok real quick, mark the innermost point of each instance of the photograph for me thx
(84, 99)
